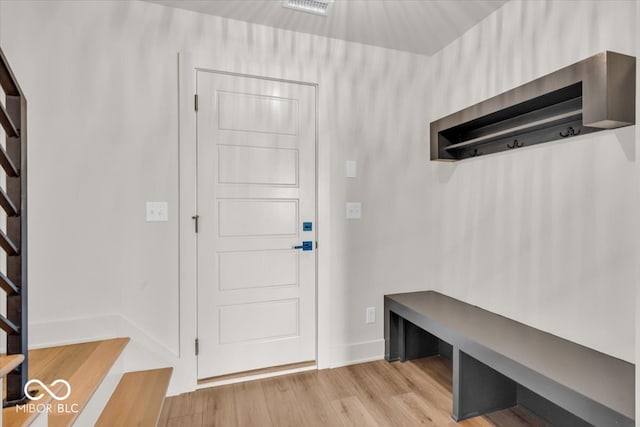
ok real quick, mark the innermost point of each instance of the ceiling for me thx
(418, 26)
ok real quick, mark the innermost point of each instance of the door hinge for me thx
(316, 245)
(197, 346)
(195, 102)
(196, 219)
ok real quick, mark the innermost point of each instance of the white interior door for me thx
(256, 193)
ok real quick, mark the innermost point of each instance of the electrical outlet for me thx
(351, 169)
(157, 211)
(371, 315)
(354, 210)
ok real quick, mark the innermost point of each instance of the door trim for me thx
(188, 66)
(256, 374)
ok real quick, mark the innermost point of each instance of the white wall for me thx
(101, 80)
(545, 235)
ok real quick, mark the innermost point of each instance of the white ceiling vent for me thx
(318, 7)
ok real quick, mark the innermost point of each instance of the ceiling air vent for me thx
(317, 7)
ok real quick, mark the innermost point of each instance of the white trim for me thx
(323, 218)
(256, 377)
(42, 420)
(189, 63)
(73, 331)
(86, 329)
(185, 369)
(350, 354)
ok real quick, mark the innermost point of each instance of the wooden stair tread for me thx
(9, 363)
(16, 417)
(137, 400)
(83, 365)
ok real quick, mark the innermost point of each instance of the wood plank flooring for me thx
(415, 393)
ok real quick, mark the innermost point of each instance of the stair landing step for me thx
(138, 399)
(9, 363)
(83, 365)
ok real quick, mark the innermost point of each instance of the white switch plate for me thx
(371, 315)
(354, 210)
(351, 170)
(157, 211)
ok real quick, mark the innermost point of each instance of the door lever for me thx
(305, 246)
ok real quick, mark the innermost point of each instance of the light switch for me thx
(371, 315)
(351, 169)
(157, 211)
(354, 210)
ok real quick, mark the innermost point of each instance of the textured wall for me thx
(101, 78)
(545, 235)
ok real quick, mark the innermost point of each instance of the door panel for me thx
(270, 320)
(258, 217)
(253, 165)
(268, 268)
(256, 187)
(257, 113)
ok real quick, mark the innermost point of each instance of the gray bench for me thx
(499, 363)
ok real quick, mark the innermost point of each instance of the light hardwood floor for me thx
(415, 393)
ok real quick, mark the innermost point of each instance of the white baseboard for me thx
(361, 352)
(41, 420)
(145, 352)
(73, 331)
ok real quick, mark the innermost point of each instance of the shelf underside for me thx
(540, 135)
(570, 116)
(555, 115)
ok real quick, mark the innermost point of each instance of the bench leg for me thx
(406, 341)
(392, 336)
(478, 389)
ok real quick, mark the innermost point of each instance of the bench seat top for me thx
(600, 377)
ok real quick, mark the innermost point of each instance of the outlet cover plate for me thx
(371, 315)
(351, 169)
(157, 211)
(354, 210)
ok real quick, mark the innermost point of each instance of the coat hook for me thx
(475, 153)
(570, 132)
(515, 144)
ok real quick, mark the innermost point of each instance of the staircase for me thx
(137, 400)
(79, 384)
(13, 236)
(98, 392)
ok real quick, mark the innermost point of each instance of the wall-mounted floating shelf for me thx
(591, 95)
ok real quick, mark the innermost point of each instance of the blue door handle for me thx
(305, 246)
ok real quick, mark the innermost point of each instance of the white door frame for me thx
(185, 372)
